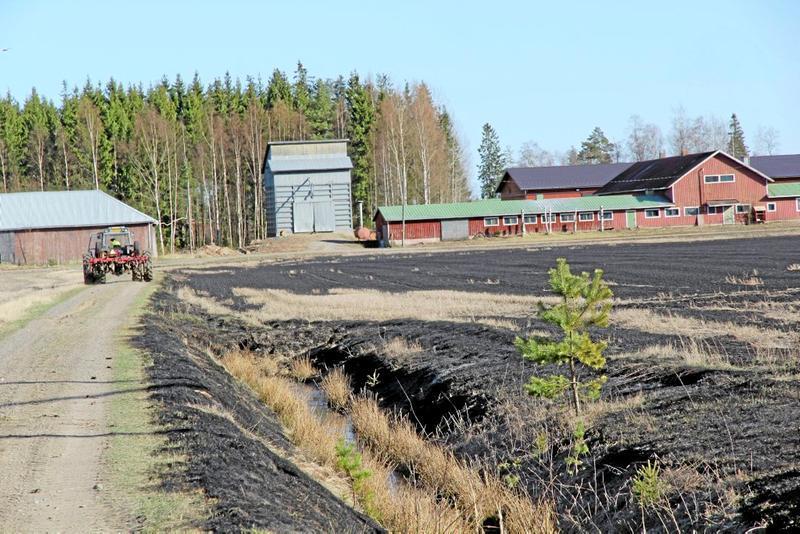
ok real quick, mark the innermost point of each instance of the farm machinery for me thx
(114, 251)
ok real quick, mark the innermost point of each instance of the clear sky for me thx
(542, 71)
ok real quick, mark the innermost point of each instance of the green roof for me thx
(498, 208)
(783, 189)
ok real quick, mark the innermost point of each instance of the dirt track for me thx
(55, 389)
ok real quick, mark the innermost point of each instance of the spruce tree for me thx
(736, 145)
(492, 164)
(362, 117)
(596, 149)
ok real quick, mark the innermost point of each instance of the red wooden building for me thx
(695, 189)
(565, 181)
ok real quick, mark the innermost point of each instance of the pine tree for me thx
(362, 117)
(491, 166)
(596, 149)
(585, 302)
(321, 111)
(736, 145)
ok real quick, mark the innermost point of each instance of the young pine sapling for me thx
(585, 302)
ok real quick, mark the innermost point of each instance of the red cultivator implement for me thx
(113, 251)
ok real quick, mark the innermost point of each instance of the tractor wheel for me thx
(137, 249)
(147, 272)
(135, 270)
(99, 276)
(88, 278)
(98, 251)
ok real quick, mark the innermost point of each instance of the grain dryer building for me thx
(55, 226)
(307, 187)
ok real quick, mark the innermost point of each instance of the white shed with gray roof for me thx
(307, 187)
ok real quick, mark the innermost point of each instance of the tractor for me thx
(114, 251)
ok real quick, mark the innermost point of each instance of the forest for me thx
(191, 154)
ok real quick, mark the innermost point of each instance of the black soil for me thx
(726, 437)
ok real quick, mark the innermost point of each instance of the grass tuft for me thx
(336, 386)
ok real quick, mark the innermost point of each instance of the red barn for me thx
(705, 188)
(565, 181)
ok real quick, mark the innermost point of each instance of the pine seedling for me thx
(348, 459)
(585, 302)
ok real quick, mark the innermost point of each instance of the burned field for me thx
(703, 366)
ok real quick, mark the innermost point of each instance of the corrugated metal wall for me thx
(7, 247)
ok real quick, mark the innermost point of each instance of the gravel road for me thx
(55, 389)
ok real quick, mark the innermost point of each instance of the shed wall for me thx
(62, 245)
(283, 189)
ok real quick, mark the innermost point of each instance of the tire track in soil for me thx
(55, 390)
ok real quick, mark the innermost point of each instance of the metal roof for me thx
(65, 209)
(306, 163)
(563, 176)
(498, 208)
(784, 166)
(776, 190)
(654, 174)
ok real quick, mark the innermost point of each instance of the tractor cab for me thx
(115, 241)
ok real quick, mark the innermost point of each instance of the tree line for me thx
(644, 141)
(191, 154)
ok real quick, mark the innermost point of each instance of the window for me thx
(691, 211)
(714, 210)
(510, 220)
(652, 213)
(530, 219)
(719, 178)
(771, 206)
(548, 217)
(742, 208)
(491, 221)
(608, 215)
(567, 217)
(672, 212)
(797, 203)
(586, 216)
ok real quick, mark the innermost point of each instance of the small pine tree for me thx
(491, 166)
(348, 459)
(596, 149)
(586, 302)
(736, 145)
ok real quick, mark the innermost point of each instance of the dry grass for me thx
(374, 305)
(691, 352)
(301, 369)
(657, 323)
(400, 348)
(336, 386)
(751, 279)
(794, 267)
(477, 496)
(405, 508)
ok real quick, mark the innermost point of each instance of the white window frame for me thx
(608, 215)
(739, 211)
(657, 216)
(561, 217)
(772, 207)
(548, 217)
(687, 214)
(668, 216)
(797, 204)
(509, 218)
(583, 213)
(487, 219)
(718, 178)
(534, 218)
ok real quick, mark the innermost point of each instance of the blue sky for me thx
(542, 71)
